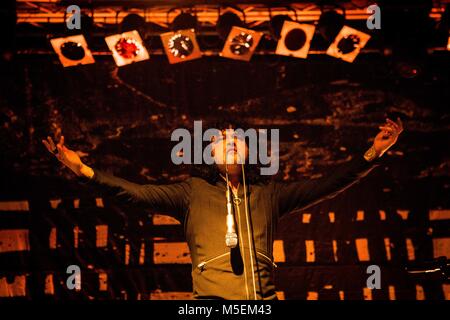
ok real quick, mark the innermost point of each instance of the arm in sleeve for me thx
(298, 195)
(172, 199)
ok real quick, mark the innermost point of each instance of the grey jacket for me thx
(245, 272)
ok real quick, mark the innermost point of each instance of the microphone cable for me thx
(250, 236)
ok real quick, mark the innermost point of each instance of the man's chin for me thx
(233, 159)
(232, 168)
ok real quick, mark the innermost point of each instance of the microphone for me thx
(231, 236)
(231, 239)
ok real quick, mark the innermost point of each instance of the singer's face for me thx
(229, 149)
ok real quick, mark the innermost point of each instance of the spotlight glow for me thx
(127, 48)
(241, 43)
(180, 45)
(72, 50)
(348, 43)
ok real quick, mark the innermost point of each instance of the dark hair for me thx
(211, 172)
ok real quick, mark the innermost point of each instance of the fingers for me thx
(388, 129)
(61, 142)
(60, 155)
(47, 145)
(392, 123)
(57, 150)
(397, 126)
(52, 144)
(400, 124)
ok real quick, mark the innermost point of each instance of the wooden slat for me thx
(335, 248)
(410, 249)
(420, 294)
(101, 239)
(14, 240)
(278, 251)
(392, 293)
(49, 285)
(280, 295)
(306, 218)
(387, 247)
(54, 203)
(14, 205)
(52, 239)
(171, 252)
(76, 234)
(439, 214)
(102, 281)
(367, 294)
(310, 252)
(127, 254)
(99, 202)
(403, 213)
(446, 290)
(441, 247)
(160, 219)
(331, 216)
(312, 295)
(142, 254)
(171, 296)
(362, 249)
(360, 215)
(15, 289)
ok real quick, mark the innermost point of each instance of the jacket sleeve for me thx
(172, 199)
(301, 194)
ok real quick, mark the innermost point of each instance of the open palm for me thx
(388, 135)
(68, 157)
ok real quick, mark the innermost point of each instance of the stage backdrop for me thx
(120, 120)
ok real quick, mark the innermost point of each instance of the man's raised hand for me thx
(388, 135)
(68, 157)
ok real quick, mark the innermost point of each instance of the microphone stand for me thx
(231, 238)
(439, 266)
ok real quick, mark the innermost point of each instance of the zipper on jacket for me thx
(267, 258)
(202, 264)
